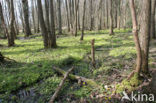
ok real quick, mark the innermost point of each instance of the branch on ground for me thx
(60, 86)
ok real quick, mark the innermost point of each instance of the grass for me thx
(35, 63)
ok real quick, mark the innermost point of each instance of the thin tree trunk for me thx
(33, 16)
(111, 19)
(68, 23)
(42, 24)
(12, 29)
(83, 20)
(76, 16)
(107, 3)
(52, 35)
(47, 15)
(136, 37)
(26, 17)
(91, 15)
(3, 23)
(38, 21)
(59, 16)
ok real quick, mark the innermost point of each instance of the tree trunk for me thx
(153, 19)
(12, 29)
(145, 33)
(119, 17)
(21, 17)
(52, 34)
(3, 23)
(59, 17)
(136, 37)
(68, 23)
(42, 24)
(47, 15)
(26, 17)
(71, 16)
(76, 15)
(91, 15)
(111, 19)
(33, 16)
(107, 3)
(83, 20)
(38, 21)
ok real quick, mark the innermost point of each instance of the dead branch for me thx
(89, 82)
(60, 86)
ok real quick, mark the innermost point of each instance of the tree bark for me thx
(33, 16)
(76, 15)
(136, 37)
(3, 23)
(68, 23)
(83, 20)
(145, 33)
(26, 18)
(12, 29)
(153, 20)
(91, 15)
(47, 15)
(111, 19)
(52, 34)
(42, 24)
(59, 16)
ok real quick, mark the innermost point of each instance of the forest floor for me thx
(31, 79)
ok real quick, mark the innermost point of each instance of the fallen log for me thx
(83, 80)
(60, 86)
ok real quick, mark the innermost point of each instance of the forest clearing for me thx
(68, 51)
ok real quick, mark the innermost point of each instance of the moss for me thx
(135, 81)
(129, 85)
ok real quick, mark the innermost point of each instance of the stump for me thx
(93, 52)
